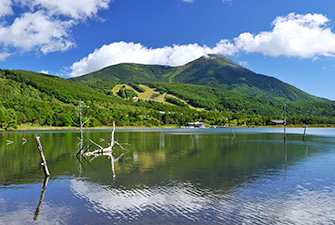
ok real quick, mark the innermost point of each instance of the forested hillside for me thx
(213, 71)
(44, 100)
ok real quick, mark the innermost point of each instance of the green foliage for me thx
(249, 107)
(175, 101)
(154, 96)
(127, 93)
(136, 87)
(103, 87)
(129, 72)
(39, 99)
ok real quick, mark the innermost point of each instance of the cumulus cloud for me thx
(122, 52)
(294, 35)
(244, 63)
(5, 7)
(37, 31)
(44, 25)
(44, 71)
(74, 9)
(4, 56)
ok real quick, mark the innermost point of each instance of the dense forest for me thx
(45, 100)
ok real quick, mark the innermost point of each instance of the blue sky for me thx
(293, 41)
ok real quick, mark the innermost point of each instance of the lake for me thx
(170, 176)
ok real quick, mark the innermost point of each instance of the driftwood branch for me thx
(44, 162)
(107, 151)
(96, 145)
(24, 141)
(112, 143)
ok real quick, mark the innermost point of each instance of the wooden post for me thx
(285, 122)
(231, 129)
(305, 126)
(44, 162)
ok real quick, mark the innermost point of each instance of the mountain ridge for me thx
(210, 70)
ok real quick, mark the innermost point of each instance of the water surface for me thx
(171, 176)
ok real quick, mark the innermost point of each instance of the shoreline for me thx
(50, 128)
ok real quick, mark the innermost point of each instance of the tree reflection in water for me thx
(110, 155)
(44, 188)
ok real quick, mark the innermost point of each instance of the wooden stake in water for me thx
(231, 129)
(285, 122)
(305, 126)
(44, 162)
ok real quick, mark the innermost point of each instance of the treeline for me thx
(43, 100)
(127, 93)
(175, 101)
(137, 87)
(219, 100)
(32, 98)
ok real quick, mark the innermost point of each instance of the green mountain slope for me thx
(212, 70)
(43, 100)
(218, 71)
(130, 72)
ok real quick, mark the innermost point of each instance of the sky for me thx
(293, 41)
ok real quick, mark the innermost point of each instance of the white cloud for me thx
(244, 63)
(5, 7)
(187, 0)
(37, 31)
(122, 52)
(44, 25)
(74, 9)
(44, 71)
(227, 1)
(4, 56)
(295, 35)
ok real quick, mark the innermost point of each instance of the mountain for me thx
(211, 70)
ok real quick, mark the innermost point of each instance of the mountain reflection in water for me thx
(173, 177)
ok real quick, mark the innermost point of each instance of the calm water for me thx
(176, 176)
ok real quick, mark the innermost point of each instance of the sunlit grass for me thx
(146, 95)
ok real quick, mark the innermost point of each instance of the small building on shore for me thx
(277, 122)
(196, 125)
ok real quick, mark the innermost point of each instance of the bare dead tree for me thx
(107, 151)
(110, 147)
(81, 123)
(44, 162)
